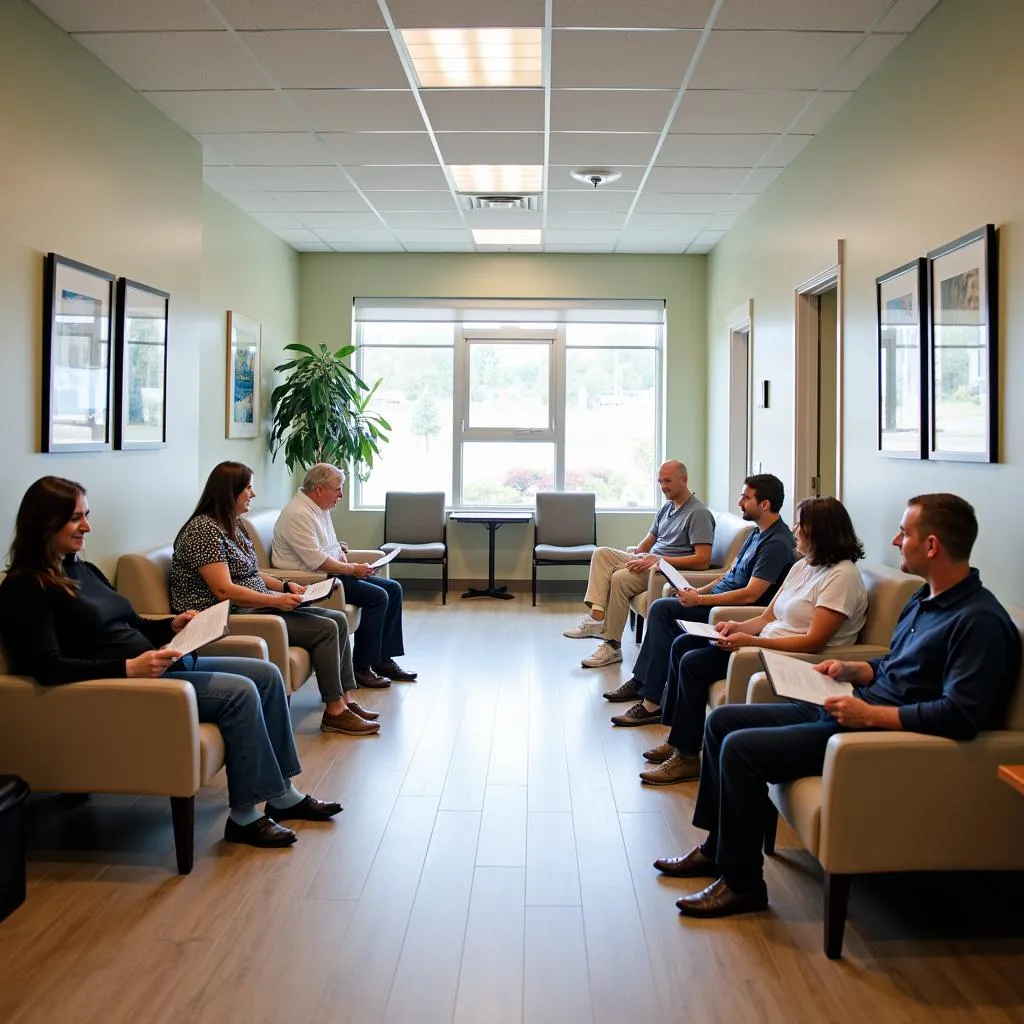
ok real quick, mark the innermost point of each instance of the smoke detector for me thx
(499, 201)
(596, 176)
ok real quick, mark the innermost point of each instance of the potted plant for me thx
(320, 414)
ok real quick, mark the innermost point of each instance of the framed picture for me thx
(140, 367)
(243, 383)
(902, 361)
(963, 359)
(78, 303)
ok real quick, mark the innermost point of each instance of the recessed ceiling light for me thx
(488, 236)
(475, 57)
(497, 178)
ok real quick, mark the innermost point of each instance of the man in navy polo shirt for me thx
(954, 661)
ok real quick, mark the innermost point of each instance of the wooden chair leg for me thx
(183, 817)
(837, 895)
(771, 828)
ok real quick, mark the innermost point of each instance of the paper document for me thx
(673, 575)
(384, 559)
(797, 680)
(207, 626)
(318, 591)
(699, 629)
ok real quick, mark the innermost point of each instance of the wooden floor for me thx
(493, 864)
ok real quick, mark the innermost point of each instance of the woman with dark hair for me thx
(62, 623)
(821, 604)
(214, 560)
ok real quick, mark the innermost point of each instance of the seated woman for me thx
(822, 604)
(214, 560)
(63, 622)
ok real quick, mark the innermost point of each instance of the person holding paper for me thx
(214, 560)
(761, 566)
(682, 533)
(822, 603)
(64, 623)
(304, 538)
(954, 660)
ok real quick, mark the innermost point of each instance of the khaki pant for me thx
(610, 587)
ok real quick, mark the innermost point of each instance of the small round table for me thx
(492, 520)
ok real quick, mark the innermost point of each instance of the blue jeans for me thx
(245, 699)
(379, 635)
(651, 666)
(694, 665)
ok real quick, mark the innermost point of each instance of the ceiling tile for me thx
(401, 178)
(424, 220)
(328, 60)
(513, 220)
(758, 180)
(283, 14)
(771, 60)
(277, 221)
(603, 201)
(435, 202)
(467, 13)
(321, 221)
(302, 239)
(491, 148)
(805, 15)
(733, 110)
(475, 110)
(128, 15)
(176, 60)
(713, 150)
(721, 222)
(602, 149)
(254, 202)
(638, 14)
(905, 16)
(232, 110)
(650, 241)
(627, 60)
(384, 245)
(319, 202)
(581, 237)
(381, 147)
(605, 110)
(284, 179)
(436, 241)
(678, 223)
(559, 179)
(693, 202)
(705, 180)
(590, 220)
(357, 110)
(578, 248)
(856, 68)
(709, 238)
(784, 150)
(268, 148)
(823, 107)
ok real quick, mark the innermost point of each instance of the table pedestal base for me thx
(500, 592)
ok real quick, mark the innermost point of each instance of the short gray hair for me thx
(322, 474)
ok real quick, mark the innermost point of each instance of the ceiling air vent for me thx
(501, 201)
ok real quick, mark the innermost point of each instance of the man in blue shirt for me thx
(759, 570)
(954, 662)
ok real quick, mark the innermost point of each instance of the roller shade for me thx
(509, 311)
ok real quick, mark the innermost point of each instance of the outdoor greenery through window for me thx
(492, 411)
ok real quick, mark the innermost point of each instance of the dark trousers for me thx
(379, 635)
(660, 630)
(746, 747)
(693, 666)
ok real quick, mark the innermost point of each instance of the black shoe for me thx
(629, 690)
(307, 809)
(390, 669)
(368, 678)
(262, 832)
(718, 900)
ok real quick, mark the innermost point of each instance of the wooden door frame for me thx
(741, 322)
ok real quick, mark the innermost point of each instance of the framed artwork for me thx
(243, 377)
(78, 304)
(963, 359)
(140, 366)
(902, 361)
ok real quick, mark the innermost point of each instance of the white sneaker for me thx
(604, 655)
(588, 627)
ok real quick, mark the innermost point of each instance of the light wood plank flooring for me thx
(493, 864)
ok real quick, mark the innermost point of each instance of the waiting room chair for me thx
(564, 530)
(415, 525)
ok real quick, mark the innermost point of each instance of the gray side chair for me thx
(415, 524)
(564, 530)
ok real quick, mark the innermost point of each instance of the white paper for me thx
(673, 575)
(384, 559)
(207, 626)
(797, 680)
(318, 591)
(699, 629)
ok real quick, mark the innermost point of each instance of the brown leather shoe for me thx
(629, 690)
(370, 716)
(390, 669)
(695, 864)
(678, 768)
(264, 832)
(368, 677)
(638, 715)
(659, 754)
(307, 809)
(718, 900)
(349, 723)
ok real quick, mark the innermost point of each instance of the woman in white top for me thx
(822, 604)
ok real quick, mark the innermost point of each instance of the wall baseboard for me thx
(425, 585)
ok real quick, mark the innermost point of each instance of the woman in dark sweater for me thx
(62, 622)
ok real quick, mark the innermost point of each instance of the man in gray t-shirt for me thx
(682, 534)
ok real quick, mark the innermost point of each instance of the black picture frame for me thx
(963, 356)
(140, 368)
(77, 385)
(903, 331)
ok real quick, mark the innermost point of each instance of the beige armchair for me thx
(899, 801)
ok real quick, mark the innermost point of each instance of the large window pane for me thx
(506, 473)
(611, 335)
(610, 411)
(407, 333)
(509, 384)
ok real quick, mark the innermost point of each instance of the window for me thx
(530, 398)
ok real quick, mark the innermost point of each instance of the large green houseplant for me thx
(320, 412)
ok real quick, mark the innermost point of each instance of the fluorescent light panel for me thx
(504, 236)
(496, 58)
(497, 178)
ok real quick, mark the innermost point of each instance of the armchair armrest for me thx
(734, 613)
(371, 555)
(269, 628)
(759, 691)
(236, 646)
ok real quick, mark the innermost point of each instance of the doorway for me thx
(740, 415)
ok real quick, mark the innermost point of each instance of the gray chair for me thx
(415, 524)
(564, 530)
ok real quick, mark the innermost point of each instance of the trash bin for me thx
(12, 843)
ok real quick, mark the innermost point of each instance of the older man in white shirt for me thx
(304, 538)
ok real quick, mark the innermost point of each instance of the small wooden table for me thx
(492, 520)
(1013, 774)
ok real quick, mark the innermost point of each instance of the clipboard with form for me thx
(794, 679)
